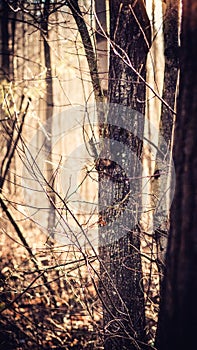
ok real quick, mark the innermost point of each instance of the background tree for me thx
(45, 14)
(7, 37)
(177, 318)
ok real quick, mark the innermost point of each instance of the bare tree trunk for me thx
(49, 114)
(7, 41)
(171, 52)
(5, 53)
(101, 43)
(121, 271)
(7, 38)
(177, 319)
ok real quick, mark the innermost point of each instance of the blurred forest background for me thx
(95, 278)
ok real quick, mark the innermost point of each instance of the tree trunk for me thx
(177, 326)
(171, 48)
(7, 38)
(101, 44)
(49, 114)
(119, 236)
(171, 52)
(5, 54)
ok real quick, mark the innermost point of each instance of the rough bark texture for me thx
(177, 320)
(121, 272)
(128, 26)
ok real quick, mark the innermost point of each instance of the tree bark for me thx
(171, 53)
(121, 271)
(177, 325)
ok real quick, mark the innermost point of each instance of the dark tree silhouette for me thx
(177, 319)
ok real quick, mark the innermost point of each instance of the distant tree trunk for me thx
(101, 43)
(121, 271)
(7, 41)
(49, 114)
(5, 59)
(7, 37)
(177, 326)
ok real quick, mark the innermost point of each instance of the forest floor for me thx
(51, 304)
